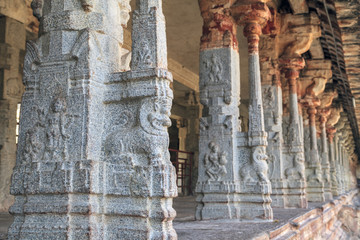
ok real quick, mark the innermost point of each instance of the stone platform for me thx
(330, 220)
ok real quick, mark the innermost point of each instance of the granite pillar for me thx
(273, 110)
(93, 159)
(255, 185)
(218, 172)
(315, 185)
(325, 163)
(295, 172)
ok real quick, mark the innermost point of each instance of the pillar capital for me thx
(219, 28)
(254, 15)
(331, 133)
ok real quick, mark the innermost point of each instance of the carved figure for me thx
(37, 7)
(150, 138)
(215, 162)
(258, 166)
(214, 69)
(33, 144)
(298, 171)
(268, 98)
(56, 136)
(259, 158)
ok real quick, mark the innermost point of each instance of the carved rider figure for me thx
(215, 162)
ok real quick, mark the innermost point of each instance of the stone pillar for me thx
(255, 185)
(295, 172)
(338, 154)
(324, 112)
(12, 47)
(192, 137)
(334, 184)
(330, 131)
(325, 163)
(294, 27)
(315, 185)
(273, 110)
(218, 175)
(93, 159)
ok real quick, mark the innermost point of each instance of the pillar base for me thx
(278, 194)
(255, 201)
(217, 200)
(296, 195)
(315, 191)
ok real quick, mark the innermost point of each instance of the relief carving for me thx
(139, 184)
(228, 122)
(256, 171)
(215, 163)
(298, 169)
(56, 135)
(214, 69)
(150, 138)
(268, 98)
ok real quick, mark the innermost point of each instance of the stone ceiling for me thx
(348, 16)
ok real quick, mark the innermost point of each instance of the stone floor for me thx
(189, 229)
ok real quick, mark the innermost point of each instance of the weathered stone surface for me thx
(93, 145)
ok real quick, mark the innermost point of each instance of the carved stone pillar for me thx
(295, 171)
(315, 185)
(218, 176)
(255, 185)
(12, 47)
(339, 156)
(324, 153)
(324, 112)
(331, 130)
(273, 109)
(297, 34)
(93, 159)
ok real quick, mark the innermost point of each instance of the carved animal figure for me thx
(260, 166)
(150, 138)
(298, 171)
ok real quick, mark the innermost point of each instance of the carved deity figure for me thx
(215, 162)
(32, 144)
(214, 69)
(55, 145)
